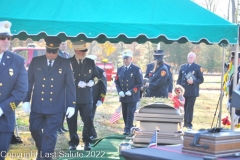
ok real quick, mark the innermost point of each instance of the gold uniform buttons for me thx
(51, 79)
(0, 94)
(84, 74)
(42, 99)
(50, 99)
(0, 84)
(127, 80)
(51, 85)
(42, 92)
(43, 85)
(127, 84)
(44, 79)
(51, 92)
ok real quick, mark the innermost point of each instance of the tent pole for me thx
(221, 91)
(234, 82)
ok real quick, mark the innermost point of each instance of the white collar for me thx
(127, 66)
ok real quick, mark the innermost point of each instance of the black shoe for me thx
(72, 147)
(126, 133)
(60, 131)
(87, 146)
(93, 137)
(64, 129)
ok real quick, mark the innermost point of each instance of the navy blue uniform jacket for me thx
(86, 72)
(150, 67)
(191, 90)
(131, 80)
(158, 82)
(51, 90)
(100, 89)
(13, 88)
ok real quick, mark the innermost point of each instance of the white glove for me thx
(1, 112)
(70, 112)
(90, 83)
(128, 93)
(99, 103)
(121, 94)
(82, 84)
(26, 107)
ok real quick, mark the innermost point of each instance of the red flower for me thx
(135, 90)
(176, 102)
(225, 121)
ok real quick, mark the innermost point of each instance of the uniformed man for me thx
(62, 52)
(128, 83)
(13, 87)
(99, 93)
(158, 78)
(150, 67)
(51, 86)
(85, 74)
(190, 77)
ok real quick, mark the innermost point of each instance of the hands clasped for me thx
(82, 84)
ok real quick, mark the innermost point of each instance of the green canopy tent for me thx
(117, 20)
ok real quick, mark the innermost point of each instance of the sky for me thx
(222, 7)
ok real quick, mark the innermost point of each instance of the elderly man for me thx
(190, 77)
(51, 86)
(13, 87)
(85, 75)
(128, 83)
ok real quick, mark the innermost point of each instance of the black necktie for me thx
(49, 65)
(125, 70)
(80, 62)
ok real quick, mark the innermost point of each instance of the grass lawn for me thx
(203, 115)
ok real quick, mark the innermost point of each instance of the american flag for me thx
(117, 114)
(153, 142)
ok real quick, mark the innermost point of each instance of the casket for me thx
(224, 143)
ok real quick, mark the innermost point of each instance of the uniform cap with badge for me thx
(52, 44)
(80, 46)
(5, 30)
(158, 55)
(127, 54)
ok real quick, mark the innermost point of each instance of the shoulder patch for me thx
(163, 73)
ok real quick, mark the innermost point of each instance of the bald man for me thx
(190, 77)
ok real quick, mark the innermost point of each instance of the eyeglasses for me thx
(4, 37)
(53, 51)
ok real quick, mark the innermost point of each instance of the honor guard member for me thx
(191, 86)
(99, 92)
(62, 52)
(51, 89)
(85, 74)
(150, 68)
(158, 79)
(128, 83)
(13, 87)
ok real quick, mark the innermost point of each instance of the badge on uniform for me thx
(90, 71)
(60, 71)
(163, 73)
(11, 72)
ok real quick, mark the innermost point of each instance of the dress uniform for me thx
(13, 87)
(150, 67)
(158, 79)
(51, 86)
(99, 93)
(191, 90)
(85, 73)
(128, 83)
